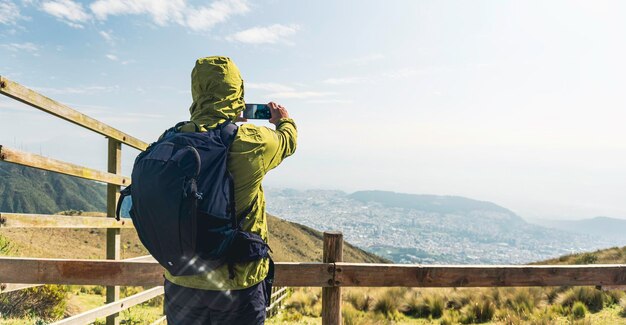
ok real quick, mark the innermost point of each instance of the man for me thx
(215, 297)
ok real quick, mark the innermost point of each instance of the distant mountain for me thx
(603, 227)
(433, 203)
(29, 190)
(410, 228)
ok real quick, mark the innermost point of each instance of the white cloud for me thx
(205, 18)
(165, 12)
(21, 47)
(268, 86)
(162, 11)
(269, 34)
(299, 94)
(9, 13)
(112, 57)
(68, 11)
(108, 36)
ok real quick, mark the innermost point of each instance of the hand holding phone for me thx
(277, 112)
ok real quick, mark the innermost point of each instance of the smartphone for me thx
(257, 112)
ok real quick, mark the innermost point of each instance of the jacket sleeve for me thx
(279, 144)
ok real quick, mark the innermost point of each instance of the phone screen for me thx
(257, 112)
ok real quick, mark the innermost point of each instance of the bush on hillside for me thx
(46, 302)
(415, 306)
(388, 302)
(524, 300)
(478, 312)
(305, 302)
(579, 310)
(360, 300)
(591, 297)
(622, 304)
(613, 297)
(586, 258)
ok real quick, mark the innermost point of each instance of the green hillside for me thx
(29, 190)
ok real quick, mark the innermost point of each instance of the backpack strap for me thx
(123, 194)
(228, 131)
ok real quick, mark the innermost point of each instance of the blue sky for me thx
(516, 102)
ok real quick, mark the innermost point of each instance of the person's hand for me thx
(240, 118)
(277, 112)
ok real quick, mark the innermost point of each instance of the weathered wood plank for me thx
(279, 292)
(25, 220)
(331, 296)
(111, 308)
(145, 258)
(53, 165)
(132, 273)
(140, 273)
(16, 91)
(81, 272)
(276, 302)
(160, 321)
(395, 275)
(290, 274)
(8, 287)
(114, 237)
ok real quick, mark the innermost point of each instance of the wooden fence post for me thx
(331, 296)
(113, 235)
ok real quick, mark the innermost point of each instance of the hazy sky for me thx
(517, 102)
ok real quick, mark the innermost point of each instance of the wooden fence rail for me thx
(25, 220)
(27, 96)
(149, 273)
(57, 166)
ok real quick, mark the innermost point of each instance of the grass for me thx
(558, 305)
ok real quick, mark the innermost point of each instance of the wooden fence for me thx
(331, 274)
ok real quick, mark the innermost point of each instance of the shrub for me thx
(591, 297)
(458, 299)
(306, 302)
(579, 310)
(613, 296)
(416, 306)
(350, 315)
(98, 290)
(47, 302)
(360, 300)
(388, 303)
(450, 317)
(524, 300)
(586, 258)
(436, 305)
(622, 304)
(478, 312)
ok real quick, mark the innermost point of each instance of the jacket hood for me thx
(217, 91)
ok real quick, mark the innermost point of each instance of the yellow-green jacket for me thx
(217, 91)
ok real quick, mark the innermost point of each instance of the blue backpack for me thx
(183, 204)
